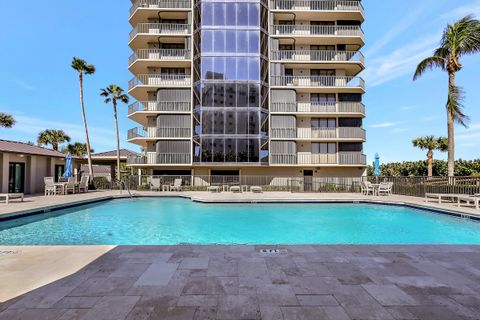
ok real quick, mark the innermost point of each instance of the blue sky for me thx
(40, 89)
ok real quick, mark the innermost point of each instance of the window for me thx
(322, 98)
(323, 123)
(324, 148)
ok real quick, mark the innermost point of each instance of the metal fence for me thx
(408, 186)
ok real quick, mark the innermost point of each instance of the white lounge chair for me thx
(9, 196)
(475, 200)
(235, 189)
(70, 186)
(50, 187)
(256, 189)
(214, 189)
(440, 197)
(177, 185)
(385, 189)
(83, 185)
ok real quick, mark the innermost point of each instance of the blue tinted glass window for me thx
(230, 68)
(231, 14)
(242, 14)
(219, 41)
(219, 67)
(207, 14)
(253, 42)
(219, 14)
(242, 69)
(207, 41)
(207, 67)
(254, 69)
(231, 41)
(254, 14)
(242, 41)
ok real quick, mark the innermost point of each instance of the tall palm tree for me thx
(459, 39)
(431, 143)
(114, 94)
(82, 67)
(76, 149)
(52, 137)
(6, 120)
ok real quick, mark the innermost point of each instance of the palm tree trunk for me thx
(430, 163)
(87, 139)
(118, 137)
(451, 129)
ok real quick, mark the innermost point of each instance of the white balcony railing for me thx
(326, 107)
(308, 158)
(317, 30)
(163, 158)
(317, 81)
(160, 29)
(318, 5)
(160, 80)
(153, 132)
(160, 106)
(318, 55)
(318, 133)
(160, 54)
(160, 4)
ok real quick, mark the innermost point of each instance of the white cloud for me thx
(462, 11)
(25, 85)
(384, 125)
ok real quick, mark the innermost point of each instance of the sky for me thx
(40, 89)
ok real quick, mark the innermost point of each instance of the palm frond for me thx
(6, 120)
(442, 143)
(428, 64)
(455, 105)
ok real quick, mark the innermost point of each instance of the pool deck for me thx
(238, 282)
(241, 282)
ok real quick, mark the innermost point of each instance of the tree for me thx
(431, 143)
(6, 120)
(53, 138)
(459, 39)
(82, 67)
(77, 149)
(114, 94)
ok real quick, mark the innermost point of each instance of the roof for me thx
(96, 169)
(25, 148)
(124, 153)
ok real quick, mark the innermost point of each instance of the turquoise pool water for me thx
(155, 221)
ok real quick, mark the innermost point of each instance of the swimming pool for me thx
(169, 221)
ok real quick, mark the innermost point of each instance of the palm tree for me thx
(52, 137)
(113, 94)
(431, 144)
(76, 149)
(6, 120)
(82, 67)
(459, 39)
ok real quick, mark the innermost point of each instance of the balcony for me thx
(152, 158)
(139, 86)
(144, 59)
(345, 83)
(318, 56)
(302, 30)
(317, 5)
(160, 106)
(159, 4)
(145, 33)
(321, 134)
(333, 108)
(307, 158)
(140, 135)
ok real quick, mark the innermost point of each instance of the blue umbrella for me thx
(376, 164)
(68, 166)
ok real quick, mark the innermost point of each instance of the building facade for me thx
(248, 87)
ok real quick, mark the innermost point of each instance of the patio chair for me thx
(155, 184)
(475, 200)
(50, 187)
(83, 185)
(235, 189)
(385, 189)
(214, 189)
(70, 186)
(9, 196)
(256, 189)
(177, 185)
(367, 188)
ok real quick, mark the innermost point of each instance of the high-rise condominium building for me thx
(250, 87)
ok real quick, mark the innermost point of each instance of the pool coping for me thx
(56, 207)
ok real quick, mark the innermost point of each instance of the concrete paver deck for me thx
(240, 282)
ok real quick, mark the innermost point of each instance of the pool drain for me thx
(273, 251)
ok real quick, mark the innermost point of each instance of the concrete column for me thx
(30, 174)
(4, 166)
(113, 171)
